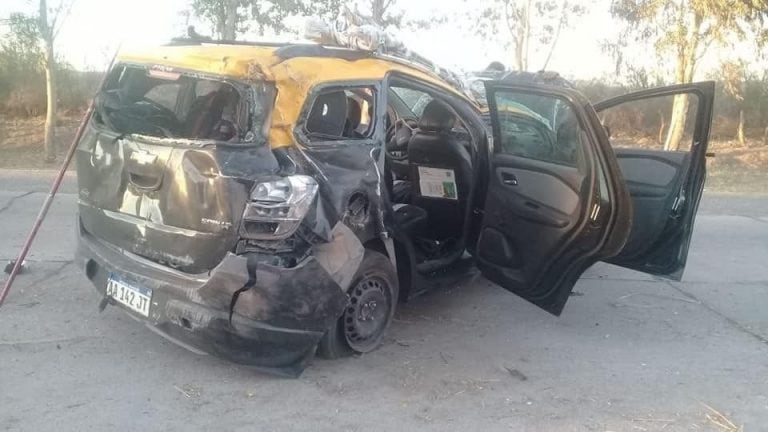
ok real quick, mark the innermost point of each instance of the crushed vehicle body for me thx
(168, 201)
(264, 202)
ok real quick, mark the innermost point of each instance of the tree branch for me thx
(54, 29)
(556, 36)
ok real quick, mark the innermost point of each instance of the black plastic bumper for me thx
(268, 317)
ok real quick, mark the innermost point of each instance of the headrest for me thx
(436, 117)
(354, 113)
(328, 114)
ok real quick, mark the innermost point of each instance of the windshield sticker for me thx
(437, 183)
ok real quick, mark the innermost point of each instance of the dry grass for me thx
(21, 141)
(717, 419)
(737, 169)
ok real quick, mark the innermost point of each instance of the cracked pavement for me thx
(630, 353)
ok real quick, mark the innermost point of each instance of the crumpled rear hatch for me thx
(155, 168)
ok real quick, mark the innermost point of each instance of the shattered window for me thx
(416, 100)
(167, 104)
(164, 95)
(342, 114)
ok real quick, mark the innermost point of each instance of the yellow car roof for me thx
(293, 76)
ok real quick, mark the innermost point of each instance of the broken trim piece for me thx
(342, 256)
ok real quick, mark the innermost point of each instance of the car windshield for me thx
(167, 104)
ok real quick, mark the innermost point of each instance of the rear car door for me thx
(555, 202)
(660, 138)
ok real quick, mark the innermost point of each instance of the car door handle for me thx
(509, 179)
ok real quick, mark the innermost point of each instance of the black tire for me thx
(361, 327)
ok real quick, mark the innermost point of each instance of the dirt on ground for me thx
(734, 169)
(738, 169)
(21, 140)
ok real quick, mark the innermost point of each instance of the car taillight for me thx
(277, 207)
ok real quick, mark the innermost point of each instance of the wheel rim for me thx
(367, 313)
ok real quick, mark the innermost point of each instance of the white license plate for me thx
(134, 298)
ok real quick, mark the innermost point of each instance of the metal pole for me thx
(54, 188)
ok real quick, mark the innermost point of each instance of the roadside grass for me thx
(736, 169)
(21, 141)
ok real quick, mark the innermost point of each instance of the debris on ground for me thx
(516, 374)
(188, 391)
(9, 267)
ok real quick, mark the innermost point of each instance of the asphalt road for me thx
(630, 352)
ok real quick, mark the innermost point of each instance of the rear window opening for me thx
(165, 104)
(342, 114)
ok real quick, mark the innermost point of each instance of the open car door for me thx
(660, 139)
(555, 202)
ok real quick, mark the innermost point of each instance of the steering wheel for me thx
(161, 113)
(398, 137)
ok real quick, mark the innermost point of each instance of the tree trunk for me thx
(740, 130)
(662, 127)
(677, 123)
(377, 12)
(229, 27)
(556, 36)
(49, 62)
(51, 91)
(523, 36)
(686, 64)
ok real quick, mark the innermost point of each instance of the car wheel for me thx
(369, 311)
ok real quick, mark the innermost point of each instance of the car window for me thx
(174, 105)
(342, 114)
(658, 123)
(416, 100)
(541, 127)
(164, 95)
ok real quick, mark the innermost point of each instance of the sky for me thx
(94, 28)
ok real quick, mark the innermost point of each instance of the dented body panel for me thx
(274, 323)
(136, 204)
(167, 214)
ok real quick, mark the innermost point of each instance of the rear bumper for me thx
(259, 315)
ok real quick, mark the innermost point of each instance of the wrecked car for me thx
(267, 202)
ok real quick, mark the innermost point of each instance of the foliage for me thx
(687, 28)
(727, 108)
(230, 17)
(381, 12)
(19, 50)
(22, 73)
(519, 23)
(21, 69)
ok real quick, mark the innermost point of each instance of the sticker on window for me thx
(437, 183)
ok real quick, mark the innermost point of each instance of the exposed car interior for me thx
(340, 114)
(172, 105)
(429, 174)
(428, 163)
